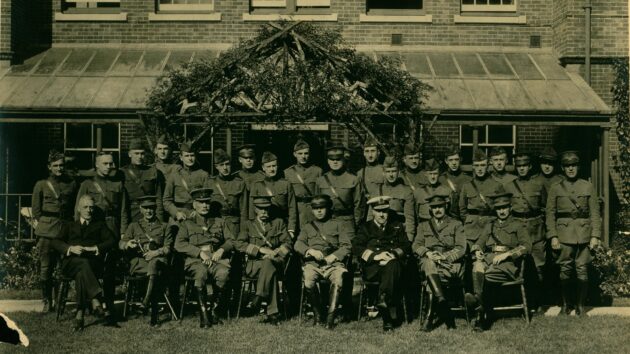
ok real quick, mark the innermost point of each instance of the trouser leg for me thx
(48, 260)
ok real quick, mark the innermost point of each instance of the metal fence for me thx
(13, 226)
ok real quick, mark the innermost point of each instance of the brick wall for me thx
(5, 32)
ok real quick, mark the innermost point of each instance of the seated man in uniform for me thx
(83, 244)
(206, 240)
(382, 245)
(266, 242)
(148, 244)
(505, 240)
(324, 243)
(441, 245)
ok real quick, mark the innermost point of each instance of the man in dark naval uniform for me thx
(382, 245)
(52, 205)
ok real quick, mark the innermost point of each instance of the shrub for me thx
(19, 266)
(612, 267)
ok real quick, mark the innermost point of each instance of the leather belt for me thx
(500, 248)
(526, 215)
(480, 212)
(574, 215)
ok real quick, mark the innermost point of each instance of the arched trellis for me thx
(289, 73)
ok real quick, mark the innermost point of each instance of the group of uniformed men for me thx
(390, 223)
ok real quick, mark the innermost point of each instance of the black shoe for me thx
(272, 319)
(78, 325)
(254, 305)
(478, 326)
(330, 321)
(387, 326)
(110, 320)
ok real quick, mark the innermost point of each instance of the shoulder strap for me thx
(184, 184)
(481, 196)
(52, 189)
(413, 188)
(216, 184)
(571, 198)
(334, 191)
(133, 175)
(261, 234)
(518, 188)
(101, 191)
(299, 177)
(363, 180)
(269, 192)
(451, 184)
(318, 231)
(435, 232)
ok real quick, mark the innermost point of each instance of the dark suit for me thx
(84, 269)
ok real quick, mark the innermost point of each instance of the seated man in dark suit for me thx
(83, 245)
(382, 245)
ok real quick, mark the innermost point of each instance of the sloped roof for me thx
(464, 81)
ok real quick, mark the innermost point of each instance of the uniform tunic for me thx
(528, 207)
(420, 196)
(402, 203)
(447, 239)
(141, 181)
(370, 177)
(111, 201)
(282, 199)
(231, 194)
(499, 237)
(250, 177)
(205, 234)
(303, 180)
(573, 216)
(329, 237)
(503, 178)
(345, 191)
(548, 181)
(179, 184)
(373, 239)
(166, 168)
(414, 179)
(52, 206)
(273, 235)
(454, 181)
(475, 210)
(151, 235)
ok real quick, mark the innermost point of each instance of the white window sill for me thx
(211, 17)
(508, 20)
(121, 17)
(396, 18)
(280, 17)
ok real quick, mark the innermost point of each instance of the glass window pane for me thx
(467, 134)
(443, 65)
(500, 134)
(83, 160)
(470, 64)
(109, 135)
(468, 2)
(496, 64)
(101, 62)
(394, 4)
(466, 154)
(78, 135)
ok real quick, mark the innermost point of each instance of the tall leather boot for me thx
(440, 303)
(478, 279)
(153, 322)
(335, 292)
(314, 298)
(216, 300)
(582, 290)
(566, 295)
(204, 320)
(383, 307)
(147, 296)
(47, 297)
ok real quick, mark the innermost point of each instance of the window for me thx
(91, 6)
(81, 142)
(489, 5)
(290, 6)
(393, 7)
(186, 5)
(489, 137)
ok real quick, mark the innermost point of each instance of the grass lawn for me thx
(600, 334)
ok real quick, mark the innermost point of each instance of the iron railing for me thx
(13, 226)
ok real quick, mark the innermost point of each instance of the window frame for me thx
(486, 144)
(467, 8)
(185, 8)
(290, 7)
(90, 10)
(394, 12)
(93, 143)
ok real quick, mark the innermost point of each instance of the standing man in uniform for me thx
(248, 172)
(371, 175)
(52, 205)
(475, 205)
(574, 227)
(433, 186)
(383, 246)
(440, 245)
(454, 178)
(303, 177)
(498, 252)
(206, 240)
(111, 206)
(343, 188)
(401, 202)
(280, 191)
(266, 242)
(548, 160)
(413, 175)
(162, 153)
(142, 180)
(324, 244)
(148, 243)
(179, 184)
(228, 191)
(528, 206)
(498, 158)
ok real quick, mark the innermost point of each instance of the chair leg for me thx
(61, 299)
(525, 307)
(360, 301)
(301, 303)
(240, 300)
(422, 291)
(184, 298)
(128, 293)
(465, 307)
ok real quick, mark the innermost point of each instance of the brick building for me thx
(73, 74)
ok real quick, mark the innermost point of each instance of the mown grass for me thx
(602, 334)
